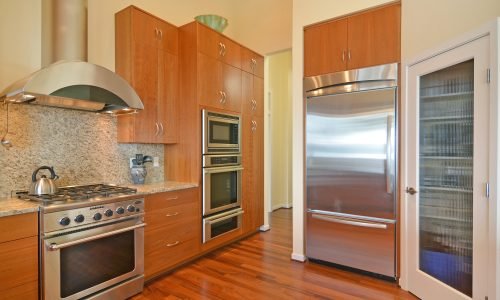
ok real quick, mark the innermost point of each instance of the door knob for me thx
(411, 190)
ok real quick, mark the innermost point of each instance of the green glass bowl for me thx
(215, 22)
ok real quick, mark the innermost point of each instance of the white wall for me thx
(428, 23)
(258, 24)
(279, 78)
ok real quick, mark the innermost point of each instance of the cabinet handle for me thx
(220, 49)
(343, 55)
(223, 49)
(349, 54)
(173, 198)
(156, 33)
(221, 100)
(172, 214)
(173, 244)
(157, 129)
(254, 104)
(161, 34)
(161, 128)
(224, 97)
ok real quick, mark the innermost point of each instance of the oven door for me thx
(221, 133)
(221, 189)
(86, 261)
(222, 223)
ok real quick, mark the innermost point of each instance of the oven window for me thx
(224, 226)
(223, 189)
(91, 263)
(223, 133)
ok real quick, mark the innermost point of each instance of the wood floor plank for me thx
(259, 267)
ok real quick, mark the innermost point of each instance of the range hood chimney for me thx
(66, 79)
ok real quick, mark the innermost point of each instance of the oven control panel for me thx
(91, 214)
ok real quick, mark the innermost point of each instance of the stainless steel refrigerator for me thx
(351, 168)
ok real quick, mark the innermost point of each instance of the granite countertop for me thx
(14, 206)
(161, 187)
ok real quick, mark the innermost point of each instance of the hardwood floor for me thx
(259, 267)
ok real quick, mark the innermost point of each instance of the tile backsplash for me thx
(81, 146)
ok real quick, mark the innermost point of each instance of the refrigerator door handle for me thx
(348, 222)
(388, 153)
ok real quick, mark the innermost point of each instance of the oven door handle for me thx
(221, 169)
(225, 217)
(54, 246)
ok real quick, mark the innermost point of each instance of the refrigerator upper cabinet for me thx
(350, 153)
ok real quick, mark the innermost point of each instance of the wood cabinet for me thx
(252, 94)
(219, 84)
(19, 257)
(217, 46)
(253, 172)
(364, 39)
(252, 62)
(173, 231)
(146, 55)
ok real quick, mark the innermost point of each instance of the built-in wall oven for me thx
(222, 174)
(221, 132)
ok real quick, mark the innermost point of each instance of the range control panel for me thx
(91, 214)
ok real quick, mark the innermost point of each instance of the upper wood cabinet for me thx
(252, 94)
(252, 62)
(365, 39)
(218, 46)
(219, 84)
(146, 55)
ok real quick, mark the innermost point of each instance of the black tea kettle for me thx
(43, 185)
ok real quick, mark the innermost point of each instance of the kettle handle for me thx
(51, 169)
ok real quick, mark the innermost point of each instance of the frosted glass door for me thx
(447, 138)
(446, 162)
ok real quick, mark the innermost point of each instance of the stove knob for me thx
(108, 213)
(120, 210)
(79, 219)
(131, 208)
(97, 216)
(64, 221)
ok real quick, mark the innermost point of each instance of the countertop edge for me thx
(14, 206)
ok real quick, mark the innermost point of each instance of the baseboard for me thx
(265, 227)
(298, 257)
(278, 206)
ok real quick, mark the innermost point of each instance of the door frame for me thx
(491, 29)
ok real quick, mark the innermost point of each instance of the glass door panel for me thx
(446, 129)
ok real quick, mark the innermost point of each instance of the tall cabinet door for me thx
(447, 173)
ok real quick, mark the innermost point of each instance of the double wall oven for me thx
(222, 174)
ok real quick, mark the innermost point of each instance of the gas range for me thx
(75, 206)
(91, 242)
(78, 196)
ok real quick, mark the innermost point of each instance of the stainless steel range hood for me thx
(68, 80)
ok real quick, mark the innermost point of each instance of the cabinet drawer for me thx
(172, 215)
(170, 199)
(20, 226)
(19, 255)
(28, 291)
(169, 245)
